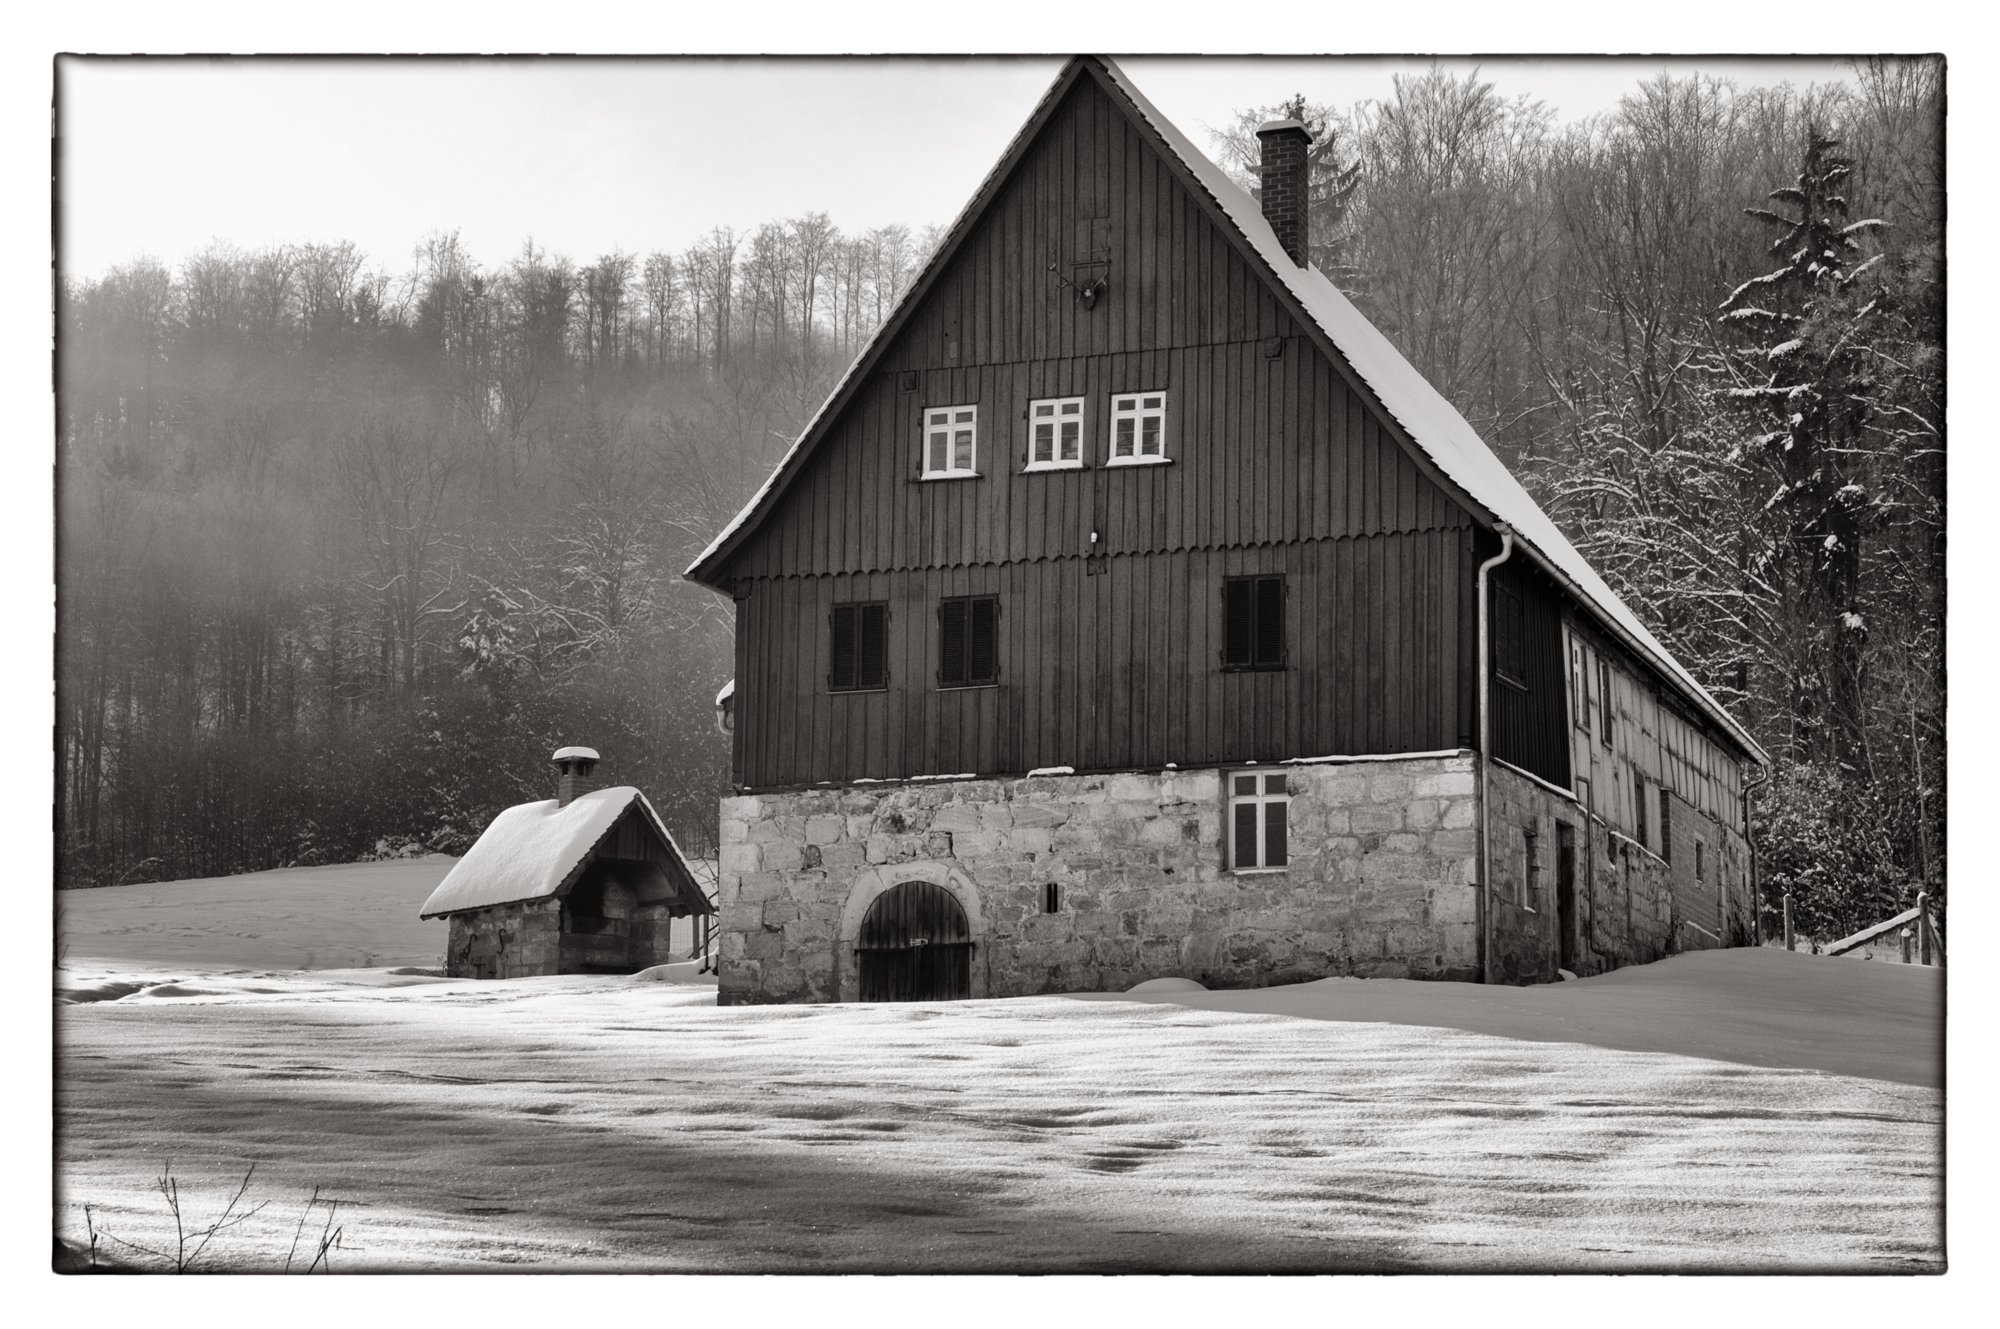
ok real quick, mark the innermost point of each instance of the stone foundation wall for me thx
(1380, 882)
(506, 941)
(526, 939)
(1633, 906)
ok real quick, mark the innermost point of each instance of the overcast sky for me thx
(587, 155)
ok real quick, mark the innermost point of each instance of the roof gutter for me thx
(1484, 899)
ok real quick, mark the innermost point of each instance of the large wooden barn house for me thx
(1133, 609)
(587, 882)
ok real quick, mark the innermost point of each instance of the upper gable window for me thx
(951, 442)
(1055, 434)
(1138, 428)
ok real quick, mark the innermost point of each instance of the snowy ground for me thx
(1733, 1110)
(357, 915)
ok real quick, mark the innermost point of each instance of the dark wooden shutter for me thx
(983, 655)
(1270, 622)
(840, 674)
(1238, 611)
(968, 641)
(1253, 629)
(951, 644)
(873, 668)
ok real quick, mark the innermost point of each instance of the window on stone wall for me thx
(1666, 823)
(1051, 898)
(1259, 807)
(1531, 866)
(1700, 867)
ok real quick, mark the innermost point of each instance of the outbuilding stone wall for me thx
(1381, 881)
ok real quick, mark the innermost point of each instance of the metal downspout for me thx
(1484, 900)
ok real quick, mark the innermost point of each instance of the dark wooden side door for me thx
(1566, 894)
(915, 945)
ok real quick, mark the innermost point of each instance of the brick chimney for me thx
(1282, 190)
(574, 767)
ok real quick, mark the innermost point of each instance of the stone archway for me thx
(872, 884)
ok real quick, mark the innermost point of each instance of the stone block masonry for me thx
(1381, 881)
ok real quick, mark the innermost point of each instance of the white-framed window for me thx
(1055, 434)
(1138, 428)
(951, 442)
(1258, 810)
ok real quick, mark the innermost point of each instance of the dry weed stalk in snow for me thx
(192, 1242)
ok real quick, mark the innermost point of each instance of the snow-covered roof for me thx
(563, 754)
(1432, 423)
(531, 848)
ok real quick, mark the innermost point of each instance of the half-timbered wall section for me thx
(1109, 576)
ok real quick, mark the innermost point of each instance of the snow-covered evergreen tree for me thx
(1811, 377)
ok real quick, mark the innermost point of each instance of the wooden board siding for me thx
(1118, 669)
(1530, 724)
(1265, 448)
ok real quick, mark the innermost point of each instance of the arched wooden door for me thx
(915, 945)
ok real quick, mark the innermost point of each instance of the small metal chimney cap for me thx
(575, 754)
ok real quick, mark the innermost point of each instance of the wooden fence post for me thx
(1788, 921)
(1906, 944)
(1923, 927)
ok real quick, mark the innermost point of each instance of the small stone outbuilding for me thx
(588, 882)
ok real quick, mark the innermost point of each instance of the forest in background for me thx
(344, 550)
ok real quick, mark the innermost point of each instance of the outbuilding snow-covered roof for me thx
(1432, 423)
(531, 848)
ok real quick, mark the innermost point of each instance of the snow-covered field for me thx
(1735, 1110)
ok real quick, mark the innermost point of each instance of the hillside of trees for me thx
(345, 550)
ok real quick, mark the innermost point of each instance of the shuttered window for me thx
(1259, 808)
(969, 642)
(1253, 623)
(858, 658)
(1509, 652)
